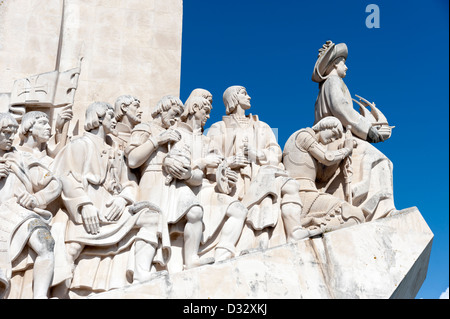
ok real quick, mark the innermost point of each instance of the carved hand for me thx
(232, 177)
(27, 200)
(177, 169)
(253, 154)
(212, 160)
(90, 219)
(373, 136)
(167, 136)
(238, 161)
(115, 207)
(349, 144)
(64, 116)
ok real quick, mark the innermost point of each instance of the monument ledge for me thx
(386, 258)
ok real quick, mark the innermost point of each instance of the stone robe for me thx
(257, 181)
(120, 141)
(96, 176)
(373, 178)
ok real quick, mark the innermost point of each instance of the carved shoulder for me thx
(305, 138)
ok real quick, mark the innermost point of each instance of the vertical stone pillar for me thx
(128, 47)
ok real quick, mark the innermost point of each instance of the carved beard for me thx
(167, 121)
(134, 120)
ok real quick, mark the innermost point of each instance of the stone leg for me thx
(144, 254)
(231, 231)
(145, 246)
(73, 251)
(291, 209)
(42, 243)
(192, 237)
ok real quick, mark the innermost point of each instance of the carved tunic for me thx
(123, 136)
(16, 222)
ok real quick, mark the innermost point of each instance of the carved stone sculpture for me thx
(105, 220)
(223, 215)
(251, 150)
(163, 177)
(372, 187)
(128, 114)
(26, 188)
(304, 155)
(128, 203)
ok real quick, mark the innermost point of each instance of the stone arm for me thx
(141, 145)
(326, 157)
(341, 106)
(46, 186)
(60, 138)
(41, 187)
(74, 178)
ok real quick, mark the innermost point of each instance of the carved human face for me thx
(171, 116)
(41, 130)
(134, 112)
(341, 68)
(243, 99)
(328, 136)
(109, 122)
(202, 114)
(7, 137)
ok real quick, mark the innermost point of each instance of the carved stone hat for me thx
(328, 53)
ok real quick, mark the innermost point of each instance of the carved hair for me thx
(165, 104)
(6, 119)
(230, 98)
(123, 99)
(94, 113)
(329, 122)
(201, 92)
(28, 121)
(193, 101)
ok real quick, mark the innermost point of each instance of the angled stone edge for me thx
(386, 258)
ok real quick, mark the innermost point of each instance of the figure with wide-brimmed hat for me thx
(373, 187)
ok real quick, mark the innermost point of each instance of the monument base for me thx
(385, 258)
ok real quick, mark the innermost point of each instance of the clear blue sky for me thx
(270, 47)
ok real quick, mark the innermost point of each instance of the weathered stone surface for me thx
(386, 258)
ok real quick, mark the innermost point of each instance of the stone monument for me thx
(110, 188)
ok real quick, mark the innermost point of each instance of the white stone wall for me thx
(129, 47)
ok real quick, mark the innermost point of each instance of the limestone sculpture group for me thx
(128, 200)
